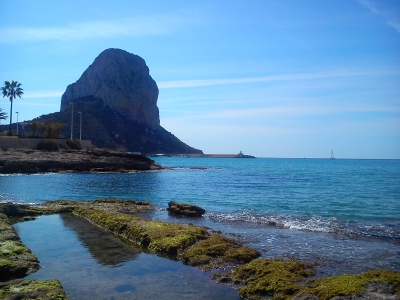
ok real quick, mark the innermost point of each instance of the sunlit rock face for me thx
(122, 81)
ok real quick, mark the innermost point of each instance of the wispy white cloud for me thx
(135, 26)
(288, 110)
(283, 77)
(391, 17)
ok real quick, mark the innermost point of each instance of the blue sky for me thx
(269, 78)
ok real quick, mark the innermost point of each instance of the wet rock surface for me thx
(187, 210)
(16, 260)
(231, 262)
(32, 289)
(373, 291)
(96, 160)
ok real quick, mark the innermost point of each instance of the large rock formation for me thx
(118, 101)
(122, 81)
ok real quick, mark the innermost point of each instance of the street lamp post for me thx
(80, 125)
(72, 118)
(17, 120)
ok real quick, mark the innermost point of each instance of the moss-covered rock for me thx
(194, 245)
(16, 260)
(119, 205)
(156, 236)
(32, 289)
(271, 277)
(344, 285)
(216, 251)
(187, 210)
(7, 232)
(282, 279)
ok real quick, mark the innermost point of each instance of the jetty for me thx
(239, 155)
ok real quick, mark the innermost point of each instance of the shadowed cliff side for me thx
(110, 129)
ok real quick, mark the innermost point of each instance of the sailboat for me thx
(332, 156)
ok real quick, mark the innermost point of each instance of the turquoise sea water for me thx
(359, 196)
(343, 214)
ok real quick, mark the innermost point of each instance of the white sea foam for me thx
(313, 223)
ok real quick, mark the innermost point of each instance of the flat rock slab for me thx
(99, 160)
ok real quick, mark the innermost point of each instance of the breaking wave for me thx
(390, 229)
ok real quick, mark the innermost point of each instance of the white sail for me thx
(332, 156)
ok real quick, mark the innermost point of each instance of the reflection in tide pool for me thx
(93, 265)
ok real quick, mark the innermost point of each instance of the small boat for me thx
(332, 156)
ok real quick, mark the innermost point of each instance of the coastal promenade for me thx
(8, 142)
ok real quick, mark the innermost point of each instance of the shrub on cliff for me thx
(74, 144)
(48, 145)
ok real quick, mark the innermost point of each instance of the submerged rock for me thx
(182, 209)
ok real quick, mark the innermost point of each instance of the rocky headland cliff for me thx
(123, 82)
(117, 99)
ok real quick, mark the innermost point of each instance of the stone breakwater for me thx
(230, 261)
(96, 160)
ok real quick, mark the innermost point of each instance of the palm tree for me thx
(12, 90)
(3, 115)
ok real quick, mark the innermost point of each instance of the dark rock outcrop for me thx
(182, 209)
(109, 129)
(122, 81)
(96, 160)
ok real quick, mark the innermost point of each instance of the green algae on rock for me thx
(216, 251)
(32, 289)
(16, 260)
(281, 279)
(110, 205)
(344, 285)
(271, 277)
(195, 246)
(158, 237)
(183, 209)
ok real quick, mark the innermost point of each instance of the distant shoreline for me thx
(240, 155)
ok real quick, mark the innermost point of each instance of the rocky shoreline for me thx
(29, 161)
(200, 247)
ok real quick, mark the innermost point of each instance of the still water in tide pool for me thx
(343, 214)
(93, 265)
